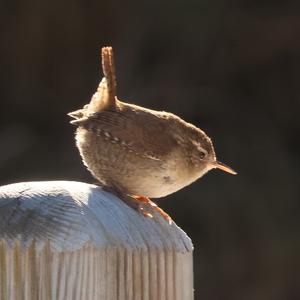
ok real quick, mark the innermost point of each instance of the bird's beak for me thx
(223, 167)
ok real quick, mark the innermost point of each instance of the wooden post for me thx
(70, 240)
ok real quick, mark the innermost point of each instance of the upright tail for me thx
(105, 97)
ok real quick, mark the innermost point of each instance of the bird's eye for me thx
(202, 154)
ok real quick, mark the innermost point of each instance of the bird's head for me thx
(200, 152)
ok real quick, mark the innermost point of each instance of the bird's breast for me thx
(110, 163)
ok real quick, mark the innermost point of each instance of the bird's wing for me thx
(141, 132)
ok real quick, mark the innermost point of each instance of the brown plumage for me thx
(137, 151)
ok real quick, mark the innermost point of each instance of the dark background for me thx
(230, 67)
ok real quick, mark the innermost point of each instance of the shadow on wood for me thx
(72, 240)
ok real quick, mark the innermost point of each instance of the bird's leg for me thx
(147, 202)
(131, 202)
(139, 203)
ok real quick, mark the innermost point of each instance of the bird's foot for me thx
(139, 203)
(146, 202)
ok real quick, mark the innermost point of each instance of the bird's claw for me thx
(145, 213)
(145, 201)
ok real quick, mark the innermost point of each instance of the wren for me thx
(132, 150)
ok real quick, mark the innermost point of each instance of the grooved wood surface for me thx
(71, 240)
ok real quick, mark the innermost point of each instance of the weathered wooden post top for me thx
(70, 240)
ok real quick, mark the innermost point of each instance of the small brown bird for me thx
(134, 151)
